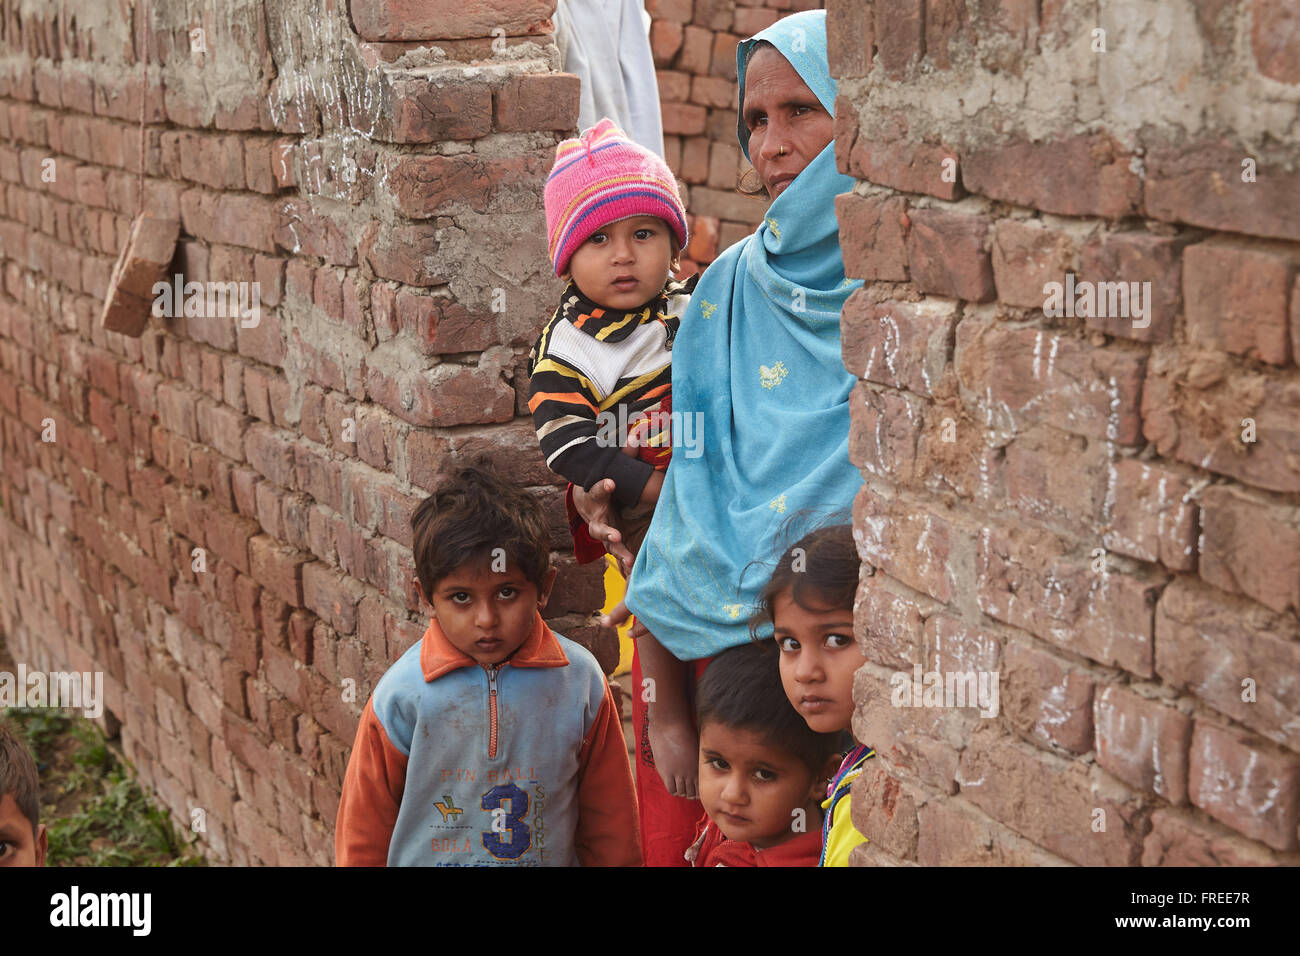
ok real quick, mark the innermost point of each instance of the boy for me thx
(493, 741)
(22, 835)
(763, 772)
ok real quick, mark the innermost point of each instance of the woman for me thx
(758, 356)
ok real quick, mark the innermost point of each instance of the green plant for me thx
(113, 823)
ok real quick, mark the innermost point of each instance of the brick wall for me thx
(694, 47)
(377, 168)
(1103, 509)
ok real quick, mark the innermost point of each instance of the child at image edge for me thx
(809, 603)
(494, 740)
(23, 840)
(615, 226)
(762, 769)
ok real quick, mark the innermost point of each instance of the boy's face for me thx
(751, 789)
(818, 659)
(625, 264)
(17, 845)
(488, 614)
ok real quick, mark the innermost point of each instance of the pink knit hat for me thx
(599, 178)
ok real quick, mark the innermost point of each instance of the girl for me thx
(809, 603)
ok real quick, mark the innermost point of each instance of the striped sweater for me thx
(590, 362)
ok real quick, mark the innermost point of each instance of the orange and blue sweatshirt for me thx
(522, 764)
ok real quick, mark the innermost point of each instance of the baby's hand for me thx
(676, 749)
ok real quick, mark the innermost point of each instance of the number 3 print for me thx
(509, 838)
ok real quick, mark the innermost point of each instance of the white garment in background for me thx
(605, 43)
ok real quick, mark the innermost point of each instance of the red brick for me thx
(538, 101)
(234, 219)
(443, 327)
(1084, 175)
(1057, 477)
(694, 166)
(1143, 742)
(1046, 700)
(426, 185)
(331, 595)
(1200, 184)
(908, 543)
(1250, 547)
(228, 535)
(1026, 257)
(407, 254)
(885, 810)
(1026, 578)
(1193, 407)
(1275, 40)
(395, 20)
(885, 427)
(1178, 838)
(899, 344)
(1137, 257)
(1237, 299)
(278, 568)
(447, 394)
(177, 410)
(713, 91)
(1245, 784)
(703, 245)
(872, 236)
(952, 833)
(676, 11)
(912, 742)
(1212, 644)
(682, 119)
(1027, 374)
(425, 111)
(665, 41)
(946, 255)
(945, 20)
(223, 428)
(271, 454)
(302, 230)
(215, 161)
(899, 35)
(997, 772)
(697, 50)
(889, 625)
(724, 169)
(1153, 516)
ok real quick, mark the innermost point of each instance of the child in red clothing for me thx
(762, 769)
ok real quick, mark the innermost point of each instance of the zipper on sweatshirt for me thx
(492, 708)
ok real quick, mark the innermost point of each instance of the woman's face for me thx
(788, 126)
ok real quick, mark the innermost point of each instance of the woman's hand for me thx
(597, 509)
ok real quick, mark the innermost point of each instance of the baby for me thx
(616, 226)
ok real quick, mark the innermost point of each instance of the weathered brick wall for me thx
(694, 47)
(377, 167)
(1102, 510)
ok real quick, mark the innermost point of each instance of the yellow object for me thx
(843, 836)
(615, 588)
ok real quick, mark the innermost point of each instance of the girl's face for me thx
(818, 659)
(625, 264)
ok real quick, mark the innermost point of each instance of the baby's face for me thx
(625, 264)
(18, 845)
(752, 789)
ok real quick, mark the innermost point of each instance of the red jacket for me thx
(711, 848)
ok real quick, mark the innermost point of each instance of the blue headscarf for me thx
(758, 357)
